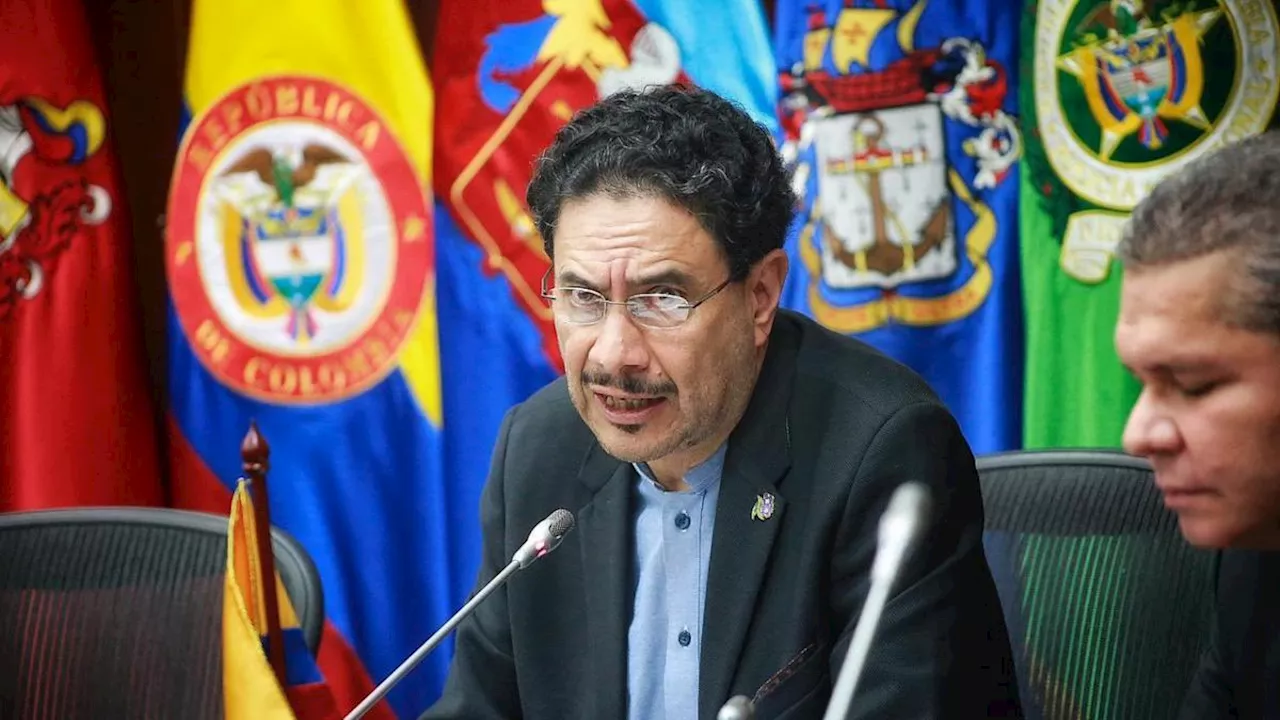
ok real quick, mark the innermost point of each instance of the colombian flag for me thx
(250, 688)
(300, 257)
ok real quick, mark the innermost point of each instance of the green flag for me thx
(1115, 96)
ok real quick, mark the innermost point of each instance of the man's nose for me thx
(619, 344)
(1149, 430)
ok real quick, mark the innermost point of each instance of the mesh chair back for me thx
(1108, 606)
(117, 612)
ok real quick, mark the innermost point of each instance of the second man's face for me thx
(1208, 417)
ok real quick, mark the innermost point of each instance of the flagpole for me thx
(255, 453)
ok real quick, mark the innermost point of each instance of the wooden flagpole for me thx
(255, 453)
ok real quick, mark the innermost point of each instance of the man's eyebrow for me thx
(1174, 367)
(569, 278)
(1188, 366)
(671, 276)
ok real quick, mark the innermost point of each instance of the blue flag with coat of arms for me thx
(898, 122)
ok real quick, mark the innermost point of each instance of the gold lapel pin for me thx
(763, 509)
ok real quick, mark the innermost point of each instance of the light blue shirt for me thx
(672, 549)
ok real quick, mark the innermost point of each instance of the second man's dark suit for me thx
(1239, 676)
(832, 430)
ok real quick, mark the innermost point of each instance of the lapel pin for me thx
(763, 509)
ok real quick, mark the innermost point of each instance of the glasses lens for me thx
(581, 306)
(578, 305)
(659, 311)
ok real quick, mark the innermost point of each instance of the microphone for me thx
(739, 707)
(544, 538)
(900, 527)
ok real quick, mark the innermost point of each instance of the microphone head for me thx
(559, 523)
(739, 707)
(908, 510)
(544, 537)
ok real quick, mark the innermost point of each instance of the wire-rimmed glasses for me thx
(584, 306)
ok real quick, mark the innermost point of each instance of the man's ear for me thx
(764, 283)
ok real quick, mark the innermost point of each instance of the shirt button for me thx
(682, 520)
(685, 638)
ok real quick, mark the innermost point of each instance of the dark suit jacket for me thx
(1239, 676)
(831, 431)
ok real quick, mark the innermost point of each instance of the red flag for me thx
(75, 414)
(515, 71)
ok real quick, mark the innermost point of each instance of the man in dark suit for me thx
(727, 462)
(1200, 327)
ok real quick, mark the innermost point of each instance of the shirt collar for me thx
(699, 477)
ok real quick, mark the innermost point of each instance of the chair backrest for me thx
(1108, 607)
(117, 612)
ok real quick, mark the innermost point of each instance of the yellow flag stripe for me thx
(420, 359)
(367, 46)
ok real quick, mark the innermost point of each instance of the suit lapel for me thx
(758, 457)
(605, 524)
(739, 555)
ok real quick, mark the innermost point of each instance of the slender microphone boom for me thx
(900, 527)
(544, 538)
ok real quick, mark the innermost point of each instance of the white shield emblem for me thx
(295, 264)
(886, 207)
(295, 218)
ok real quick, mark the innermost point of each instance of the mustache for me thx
(630, 384)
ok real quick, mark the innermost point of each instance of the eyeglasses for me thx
(583, 306)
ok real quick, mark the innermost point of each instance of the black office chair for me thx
(117, 612)
(1108, 607)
